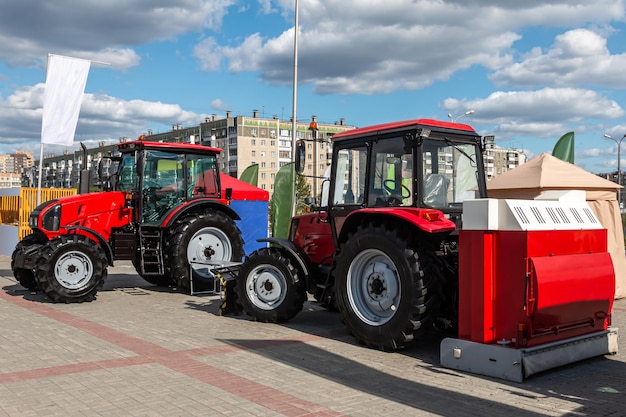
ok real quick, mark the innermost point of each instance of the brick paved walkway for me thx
(140, 350)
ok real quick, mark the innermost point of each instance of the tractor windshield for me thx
(449, 172)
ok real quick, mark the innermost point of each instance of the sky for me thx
(531, 71)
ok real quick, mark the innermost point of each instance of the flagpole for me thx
(41, 150)
(294, 122)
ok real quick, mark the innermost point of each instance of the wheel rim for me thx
(373, 287)
(266, 287)
(73, 269)
(208, 245)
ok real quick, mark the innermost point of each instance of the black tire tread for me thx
(176, 262)
(425, 282)
(25, 277)
(296, 294)
(44, 269)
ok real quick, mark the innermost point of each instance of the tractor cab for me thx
(160, 177)
(416, 164)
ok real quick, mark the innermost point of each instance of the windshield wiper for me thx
(458, 148)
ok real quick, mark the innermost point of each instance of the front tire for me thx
(269, 287)
(71, 269)
(382, 292)
(202, 238)
(26, 277)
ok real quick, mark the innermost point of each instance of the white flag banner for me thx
(65, 85)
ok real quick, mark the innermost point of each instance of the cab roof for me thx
(405, 124)
(177, 147)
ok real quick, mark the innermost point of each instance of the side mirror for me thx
(101, 164)
(300, 156)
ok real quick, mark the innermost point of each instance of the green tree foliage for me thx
(303, 190)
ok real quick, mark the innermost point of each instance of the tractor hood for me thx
(98, 212)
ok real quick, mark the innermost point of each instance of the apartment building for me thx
(499, 160)
(10, 180)
(16, 162)
(63, 171)
(245, 141)
(260, 140)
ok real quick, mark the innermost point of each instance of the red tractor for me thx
(382, 246)
(164, 210)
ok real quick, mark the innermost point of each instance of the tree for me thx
(303, 190)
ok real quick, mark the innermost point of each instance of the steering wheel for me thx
(404, 190)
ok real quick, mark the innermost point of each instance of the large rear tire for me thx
(71, 269)
(384, 296)
(269, 287)
(201, 238)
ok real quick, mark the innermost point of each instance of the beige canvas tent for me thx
(544, 173)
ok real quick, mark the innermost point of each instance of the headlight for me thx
(51, 220)
(33, 221)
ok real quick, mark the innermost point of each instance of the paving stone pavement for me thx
(141, 350)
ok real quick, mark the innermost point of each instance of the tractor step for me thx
(151, 252)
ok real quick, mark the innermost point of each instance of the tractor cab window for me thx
(449, 172)
(391, 175)
(127, 173)
(350, 176)
(163, 186)
(202, 176)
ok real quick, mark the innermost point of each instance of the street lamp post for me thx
(454, 119)
(619, 170)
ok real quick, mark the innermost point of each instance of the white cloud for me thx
(350, 47)
(31, 30)
(560, 104)
(577, 57)
(219, 105)
(544, 113)
(102, 117)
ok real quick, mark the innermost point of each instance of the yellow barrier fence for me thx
(9, 209)
(15, 210)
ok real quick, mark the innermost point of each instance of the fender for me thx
(187, 207)
(292, 249)
(105, 245)
(428, 220)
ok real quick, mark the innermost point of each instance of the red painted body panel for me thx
(429, 220)
(100, 212)
(312, 234)
(554, 284)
